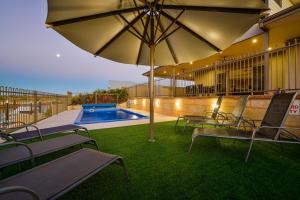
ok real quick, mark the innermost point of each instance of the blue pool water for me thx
(101, 115)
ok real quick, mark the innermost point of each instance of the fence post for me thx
(35, 106)
(56, 100)
(69, 98)
(6, 111)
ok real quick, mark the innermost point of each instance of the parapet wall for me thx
(255, 109)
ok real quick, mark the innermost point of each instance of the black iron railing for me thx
(19, 106)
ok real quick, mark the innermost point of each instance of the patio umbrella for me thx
(153, 32)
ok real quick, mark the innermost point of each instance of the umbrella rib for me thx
(136, 35)
(158, 18)
(131, 25)
(142, 42)
(215, 9)
(135, 4)
(191, 31)
(172, 23)
(169, 44)
(119, 34)
(95, 16)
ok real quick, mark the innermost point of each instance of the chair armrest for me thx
(226, 114)
(280, 127)
(21, 144)
(250, 122)
(8, 131)
(12, 189)
(86, 130)
(18, 144)
(283, 128)
(35, 127)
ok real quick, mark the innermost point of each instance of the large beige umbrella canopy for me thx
(155, 32)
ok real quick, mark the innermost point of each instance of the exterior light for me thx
(190, 75)
(177, 104)
(165, 72)
(144, 102)
(58, 55)
(191, 62)
(134, 102)
(214, 105)
(178, 73)
(157, 102)
(220, 52)
(254, 41)
(270, 49)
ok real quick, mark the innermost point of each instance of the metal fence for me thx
(255, 73)
(19, 106)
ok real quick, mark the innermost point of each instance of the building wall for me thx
(255, 109)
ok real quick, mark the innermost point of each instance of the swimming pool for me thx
(102, 115)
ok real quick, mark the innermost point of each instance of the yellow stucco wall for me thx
(255, 109)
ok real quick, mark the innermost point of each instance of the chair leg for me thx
(177, 121)
(281, 147)
(19, 167)
(249, 151)
(234, 142)
(120, 162)
(192, 142)
(95, 143)
(87, 131)
(32, 162)
(186, 123)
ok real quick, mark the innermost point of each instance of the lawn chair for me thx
(6, 133)
(270, 130)
(209, 114)
(53, 179)
(234, 119)
(19, 152)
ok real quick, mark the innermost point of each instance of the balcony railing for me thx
(256, 73)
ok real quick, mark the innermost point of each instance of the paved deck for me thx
(68, 117)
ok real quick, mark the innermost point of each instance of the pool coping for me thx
(79, 116)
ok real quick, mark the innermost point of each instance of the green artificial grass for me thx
(215, 169)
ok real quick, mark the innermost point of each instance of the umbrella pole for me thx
(152, 50)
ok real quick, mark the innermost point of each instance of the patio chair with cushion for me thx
(209, 114)
(270, 130)
(53, 179)
(7, 133)
(223, 119)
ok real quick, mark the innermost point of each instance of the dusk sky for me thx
(28, 55)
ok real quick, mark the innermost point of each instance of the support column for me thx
(151, 93)
(266, 61)
(174, 82)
